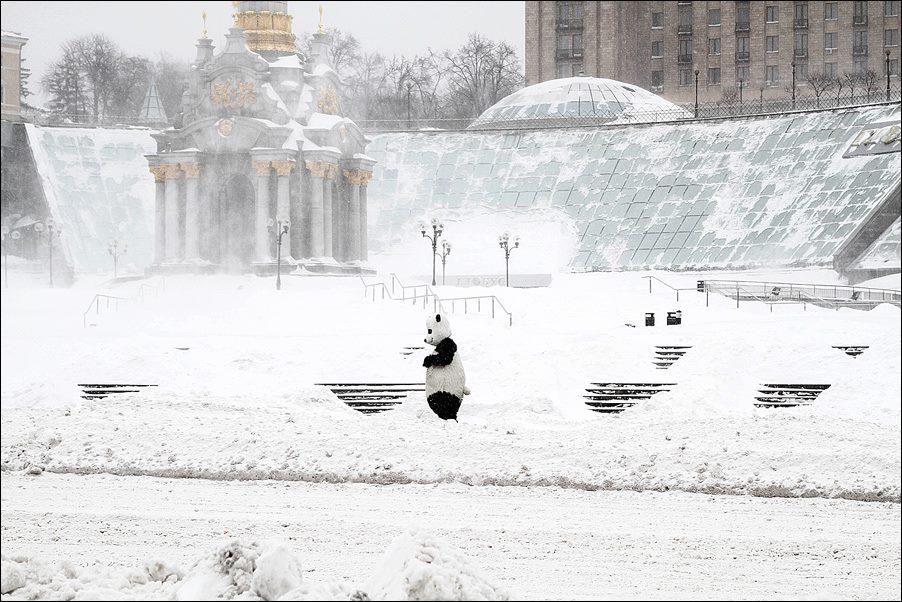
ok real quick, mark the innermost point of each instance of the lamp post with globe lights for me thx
(504, 243)
(7, 236)
(279, 229)
(446, 250)
(114, 251)
(437, 228)
(53, 232)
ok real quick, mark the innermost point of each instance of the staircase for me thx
(853, 350)
(666, 355)
(611, 398)
(788, 396)
(100, 391)
(373, 398)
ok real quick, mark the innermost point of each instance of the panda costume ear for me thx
(438, 317)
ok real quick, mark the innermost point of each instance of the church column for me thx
(362, 247)
(171, 173)
(327, 208)
(317, 171)
(192, 211)
(159, 223)
(357, 178)
(283, 203)
(261, 222)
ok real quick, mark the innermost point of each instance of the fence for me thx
(428, 295)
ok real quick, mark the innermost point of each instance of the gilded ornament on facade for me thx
(235, 95)
(283, 168)
(262, 168)
(192, 170)
(224, 127)
(358, 177)
(159, 172)
(327, 102)
(171, 171)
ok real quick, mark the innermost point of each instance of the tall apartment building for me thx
(660, 45)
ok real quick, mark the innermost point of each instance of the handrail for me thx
(835, 287)
(735, 289)
(668, 286)
(95, 303)
(437, 302)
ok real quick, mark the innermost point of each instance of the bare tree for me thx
(99, 59)
(870, 81)
(65, 85)
(344, 47)
(480, 73)
(852, 81)
(820, 83)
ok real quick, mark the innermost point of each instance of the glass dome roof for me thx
(576, 101)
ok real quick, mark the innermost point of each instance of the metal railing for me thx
(742, 56)
(677, 290)
(438, 303)
(108, 302)
(569, 53)
(574, 23)
(833, 296)
(800, 23)
(743, 26)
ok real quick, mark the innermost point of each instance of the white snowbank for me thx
(418, 566)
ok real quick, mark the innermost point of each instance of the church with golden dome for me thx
(262, 148)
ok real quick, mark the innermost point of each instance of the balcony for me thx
(742, 57)
(684, 29)
(569, 53)
(860, 49)
(684, 59)
(800, 52)
(743, 26)
(859, 20)
(800, 23)
(569, 24)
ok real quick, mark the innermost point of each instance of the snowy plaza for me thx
(227, 361)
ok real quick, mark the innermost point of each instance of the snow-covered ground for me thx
(529, 543)
(236, 362)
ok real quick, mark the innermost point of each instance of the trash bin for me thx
(650, 319)
(674, 318)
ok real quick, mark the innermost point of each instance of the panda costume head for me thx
(438, 329)
(445, 378)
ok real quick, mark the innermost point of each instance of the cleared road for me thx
(537, 542)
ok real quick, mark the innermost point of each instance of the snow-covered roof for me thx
(288, 61)
(324, 121)
(579, 98)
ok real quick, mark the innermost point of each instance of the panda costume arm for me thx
(444, 354)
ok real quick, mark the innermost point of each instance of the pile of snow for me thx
(417, 566)
(421, 566)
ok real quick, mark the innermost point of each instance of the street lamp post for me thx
(446, 250)
(741, 86)
(887, 76)
(114, 251)
(696, 93)
(279, 229)
(409, 88)
(504, 243)
(437, 228)
(53, 231)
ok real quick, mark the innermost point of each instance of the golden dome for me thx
(267, 26)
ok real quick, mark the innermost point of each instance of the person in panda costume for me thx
(445, 378)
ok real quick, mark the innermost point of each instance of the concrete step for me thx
(373, 398)
(611, 398)
(788, 395)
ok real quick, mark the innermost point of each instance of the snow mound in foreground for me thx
(420, 566)
(417, 566)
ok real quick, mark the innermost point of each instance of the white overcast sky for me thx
(147, 28)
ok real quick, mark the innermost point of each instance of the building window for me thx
(830, 41)
(657, 80)
(893, 67)
(657, 49)
(890, 37)
(801, 44)
(801, 70)
(563, 70)
(685, 16)
(577, 44)
(685, 77)
(569, 10)
(891, 8)
(743, 74)
(861, 65)
(770, 14)
(563, 42)
(578, 69)
(713, 17)
(830, 11)
(830, 70)
(742, 44)
(771, 74)
(713, 45)
(859, 42)
(685, 51)
(801, 14)
(773, 43)
(657, 20)
(713, 76)
(859, 13)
